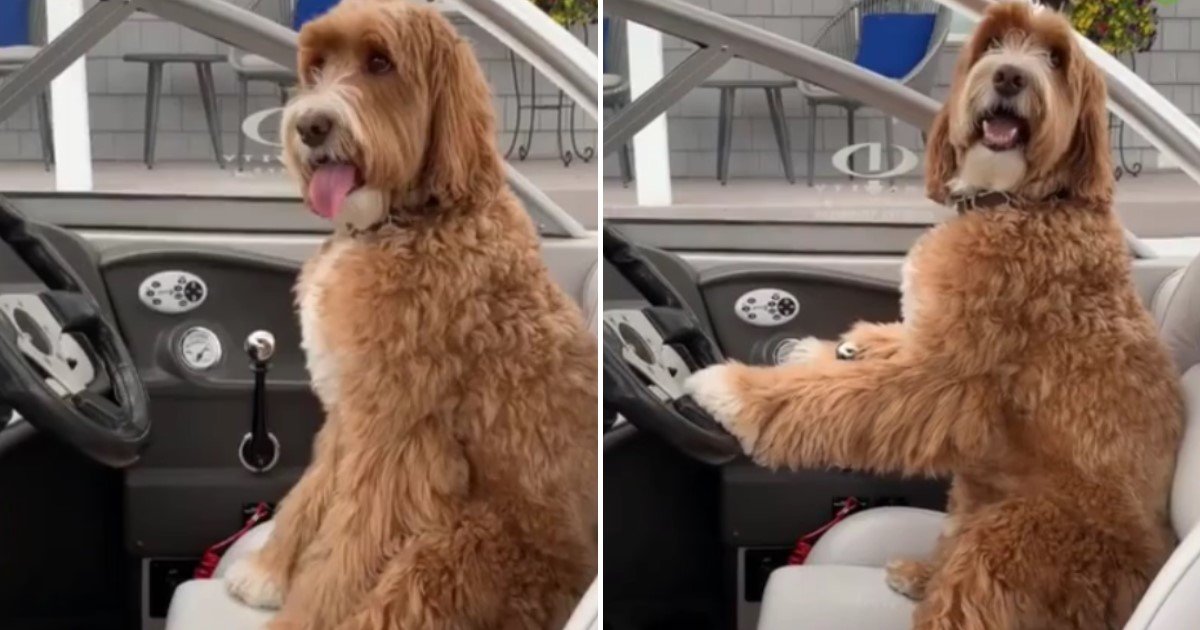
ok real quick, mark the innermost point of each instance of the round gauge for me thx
(199, 348)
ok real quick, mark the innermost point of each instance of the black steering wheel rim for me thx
(111, 431)
(681, 422)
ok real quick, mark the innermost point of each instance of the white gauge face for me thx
(200, 348)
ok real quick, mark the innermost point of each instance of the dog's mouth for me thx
(1002, 129)
(331, 183)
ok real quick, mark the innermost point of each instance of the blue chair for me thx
(899, 39)
(248, 67)
(21, 29)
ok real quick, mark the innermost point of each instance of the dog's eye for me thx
(378, 63)
(1056, 59)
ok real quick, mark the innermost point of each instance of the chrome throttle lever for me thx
(259, 450)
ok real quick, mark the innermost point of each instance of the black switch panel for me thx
(759, 563)
(164, 577)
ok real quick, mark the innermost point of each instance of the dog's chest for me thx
(910, 282)
(319, 355)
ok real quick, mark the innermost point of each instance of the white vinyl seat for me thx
(205, 604)
(842, 584)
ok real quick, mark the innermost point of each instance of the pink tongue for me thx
(328, 188)
(1000, 131)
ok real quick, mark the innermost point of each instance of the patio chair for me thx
(248, 67)
(22, 30)
(616, 85)
(900, 39)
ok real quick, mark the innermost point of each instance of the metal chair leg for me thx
(779, 122)
(45, 129)
(153, 96)
(888, 146)
(243, 106)
(726, 144)
(721, 132)
(812, 142)
(850, 136)
(208, 96)
(625, 161)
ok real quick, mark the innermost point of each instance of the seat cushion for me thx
(832, 598)
(873, 537)
(205, 605)
(250, 542)
(892, 44)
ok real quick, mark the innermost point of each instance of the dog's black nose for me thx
(1009, 81)
(313, 128)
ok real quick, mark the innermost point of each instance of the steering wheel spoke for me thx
(101, 410)
(45, 342)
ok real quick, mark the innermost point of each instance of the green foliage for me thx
(1117, 26)
(569, 13)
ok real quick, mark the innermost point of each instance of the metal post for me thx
(69, 104)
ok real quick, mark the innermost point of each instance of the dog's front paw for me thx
(712, 389)
(908, 578)
(252, 584)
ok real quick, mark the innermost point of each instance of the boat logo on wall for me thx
(875, 162)
(252, 128)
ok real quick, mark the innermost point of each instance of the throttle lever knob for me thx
(260, 346)
(259, 450)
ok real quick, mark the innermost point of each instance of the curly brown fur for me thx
(454, 483)
(1028, 369)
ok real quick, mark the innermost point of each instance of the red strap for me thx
(212, 555)
(805, 544)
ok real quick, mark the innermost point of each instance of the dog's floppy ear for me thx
(941, 161)
(462, 165)
(1089, 156)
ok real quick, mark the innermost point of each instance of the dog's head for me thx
(1025, 114)
(393, 114)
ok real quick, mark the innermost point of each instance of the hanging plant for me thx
(1118, 26)
(569, 13)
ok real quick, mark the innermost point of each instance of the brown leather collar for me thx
(989, 199)
(392, 218)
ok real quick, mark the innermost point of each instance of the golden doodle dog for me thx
(1026, 366)
(453, 485)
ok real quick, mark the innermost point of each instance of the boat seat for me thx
(842, 585)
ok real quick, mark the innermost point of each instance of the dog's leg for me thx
(261, 579)
(903, 414)
(875, 341)
(474, 576)
(864, 340)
